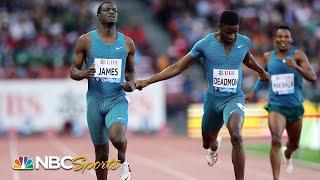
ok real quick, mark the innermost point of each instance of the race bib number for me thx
(283, 83)
(225, 80)
(108, 70)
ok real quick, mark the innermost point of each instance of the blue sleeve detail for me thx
(247, 42)
(197, 50)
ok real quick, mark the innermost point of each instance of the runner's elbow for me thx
(73, 75)
(313, 78)
(176, 69)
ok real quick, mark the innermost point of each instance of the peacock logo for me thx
(23, 163)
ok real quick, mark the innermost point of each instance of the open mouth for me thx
(283, 44)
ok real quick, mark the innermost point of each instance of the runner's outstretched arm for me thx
(251, 63)
(169, 72)
(259, 83)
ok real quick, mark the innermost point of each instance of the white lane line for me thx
(13, 149)
(60, 146)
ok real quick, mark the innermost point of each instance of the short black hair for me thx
(100, 6)
(283, 26)
(229, 17)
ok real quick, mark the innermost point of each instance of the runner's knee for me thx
(276, 141)
(118, 142)
(236, 139)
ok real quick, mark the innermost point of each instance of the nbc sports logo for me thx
(48, 162)
(23, 163)
(77, 163)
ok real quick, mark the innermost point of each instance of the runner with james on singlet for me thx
(109, 59)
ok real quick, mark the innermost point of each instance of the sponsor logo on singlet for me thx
(108, 70)
(225, 80)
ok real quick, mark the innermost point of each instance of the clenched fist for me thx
(129, 86)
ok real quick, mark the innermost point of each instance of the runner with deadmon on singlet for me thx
(223, 53)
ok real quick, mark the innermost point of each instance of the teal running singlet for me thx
(106, 101)
(110, 63)
(286, 83)
(223, 71)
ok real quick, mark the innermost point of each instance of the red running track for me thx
(150, 157)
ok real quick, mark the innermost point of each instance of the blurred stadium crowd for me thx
(38, 37)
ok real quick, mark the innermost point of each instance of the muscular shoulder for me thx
(85, 38)
(129, 43)
(299, 54)
(84, 41)
(266, 57)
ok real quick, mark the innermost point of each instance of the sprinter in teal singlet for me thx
(287, 67)
(223, 53)
(109, 59)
